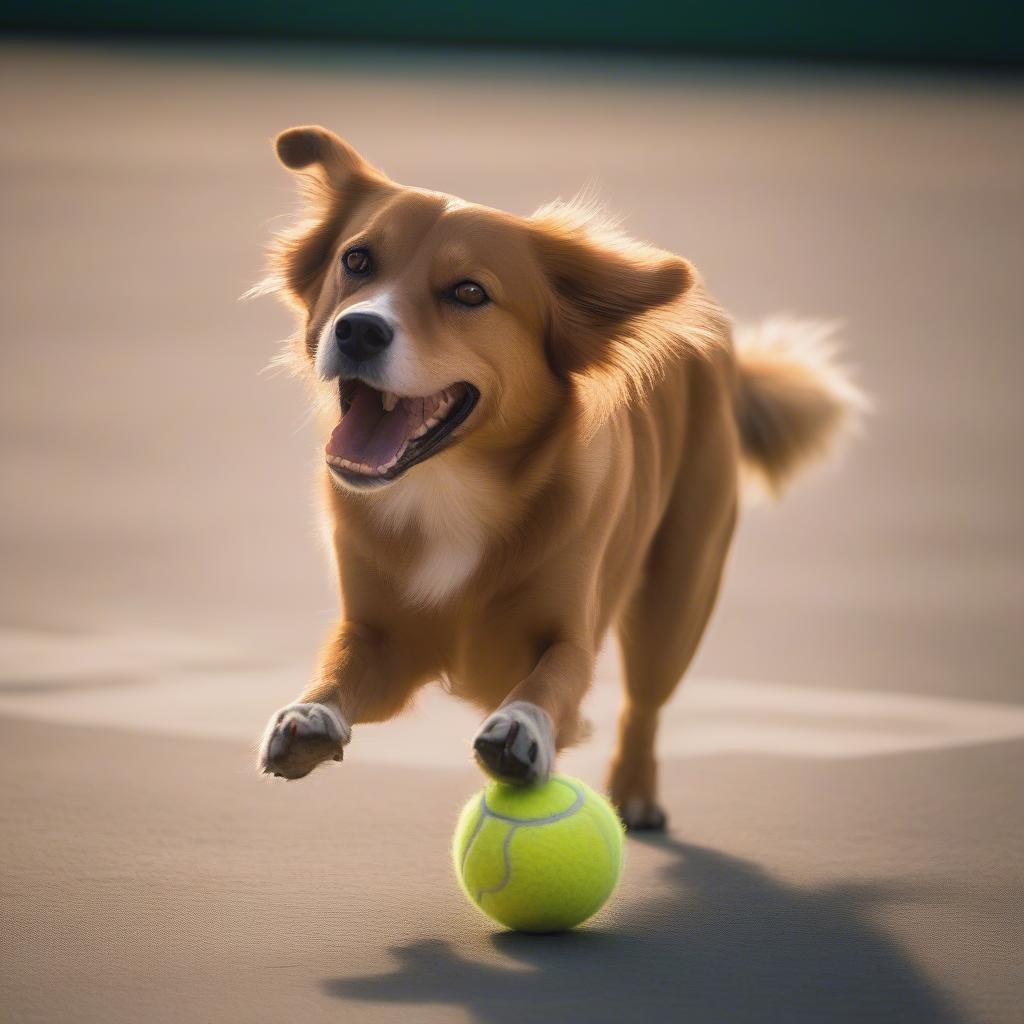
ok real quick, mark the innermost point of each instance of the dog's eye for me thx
(469, 293)
(357, 261)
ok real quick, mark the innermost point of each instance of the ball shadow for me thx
(723, 942)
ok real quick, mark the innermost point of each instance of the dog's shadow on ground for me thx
(721, 943)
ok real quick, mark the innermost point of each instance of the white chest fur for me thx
(449, 509)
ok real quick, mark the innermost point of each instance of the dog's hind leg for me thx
(659, 630)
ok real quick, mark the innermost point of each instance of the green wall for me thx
(982, 32)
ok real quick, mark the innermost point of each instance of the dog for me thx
(542, 427)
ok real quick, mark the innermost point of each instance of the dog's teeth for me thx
(389, 400)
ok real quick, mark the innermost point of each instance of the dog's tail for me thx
(795, 401)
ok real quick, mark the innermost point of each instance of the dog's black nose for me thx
(361, 336)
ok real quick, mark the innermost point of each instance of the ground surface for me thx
(843, 770)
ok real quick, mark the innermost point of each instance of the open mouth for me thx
(382, 434)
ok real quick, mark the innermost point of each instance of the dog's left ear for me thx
(603, 289)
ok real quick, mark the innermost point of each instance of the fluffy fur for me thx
(593, 485)
(795, 400)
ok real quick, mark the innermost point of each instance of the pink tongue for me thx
(367, 435)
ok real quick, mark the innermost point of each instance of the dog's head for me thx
(442, 323)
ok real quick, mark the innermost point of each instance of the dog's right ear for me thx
(327, 165)
(333, 178)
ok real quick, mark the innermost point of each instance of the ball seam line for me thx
(568, 812)
(515, 823)
(476, 831)
(507, 876)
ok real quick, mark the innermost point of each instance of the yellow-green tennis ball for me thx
(538, 858)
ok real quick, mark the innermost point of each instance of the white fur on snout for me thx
(404, 373)
(309, 719)
(535, 726)
(328, 359)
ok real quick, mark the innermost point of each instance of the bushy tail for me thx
(795, 401)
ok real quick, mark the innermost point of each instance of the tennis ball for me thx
(538, 858)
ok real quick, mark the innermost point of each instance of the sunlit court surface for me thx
(842, 767)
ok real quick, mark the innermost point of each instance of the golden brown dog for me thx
(542, 428)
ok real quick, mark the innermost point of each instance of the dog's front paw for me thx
(517, 744)
(301, 736)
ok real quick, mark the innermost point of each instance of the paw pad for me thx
(516, 744)
(301, 736)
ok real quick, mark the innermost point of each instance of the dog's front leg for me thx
(518, 742)
(361, 680)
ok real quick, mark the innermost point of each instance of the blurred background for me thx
(843, 766)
